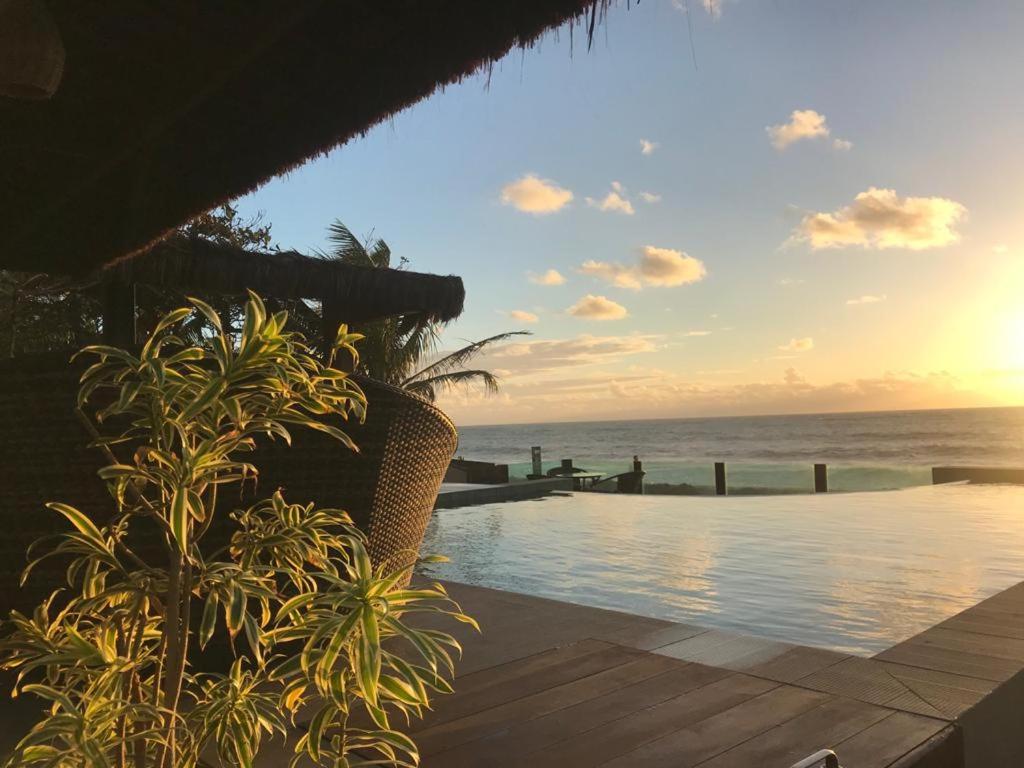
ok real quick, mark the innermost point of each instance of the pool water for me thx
(855, 572)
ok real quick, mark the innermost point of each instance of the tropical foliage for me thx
(394, 349)
(286, 593)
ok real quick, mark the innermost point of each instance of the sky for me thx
(724, 207)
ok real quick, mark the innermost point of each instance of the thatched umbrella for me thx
(348, 293)
(169, 108)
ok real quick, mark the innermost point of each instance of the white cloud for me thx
(804, 125)
(714, 7)
(655, 267)
(650, 197)
(798, 345)
(790, 281)
(613, 201)
(523, 316)
(879, 218)
(550, 277)
(648, 147)
(594, 307)
(697, 333)
(530, 357)
(866, 299)
(532, 194)
(1000, 249)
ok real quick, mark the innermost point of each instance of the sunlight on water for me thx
(855, 572)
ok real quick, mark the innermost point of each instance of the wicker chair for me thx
(389, 487)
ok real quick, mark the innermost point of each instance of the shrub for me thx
(311, 623)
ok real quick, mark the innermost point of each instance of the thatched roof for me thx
(364, 293)
(171, 107)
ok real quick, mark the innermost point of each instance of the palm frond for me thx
(429, 387)
(349, 249)
(460, 357)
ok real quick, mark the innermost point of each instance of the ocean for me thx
(864, 451)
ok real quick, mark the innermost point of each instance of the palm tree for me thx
(394, 348)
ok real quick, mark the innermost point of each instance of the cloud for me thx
(551, 277)
(697, 333)
(530, 357)
(879, 218)
(1000, 249)
(565, 392)
(866, 299)
(655, 267)
(804, 125)
(594, 307)
(798, 345)
(531, 194)
(790, 281)
(613, 201)
(650, 197)
(713, 7)
(523, 316)
(648, 147)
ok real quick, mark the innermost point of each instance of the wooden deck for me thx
(554, 684)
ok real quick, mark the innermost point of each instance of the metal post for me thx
(538, 466)
(820, 478)
(720, 489)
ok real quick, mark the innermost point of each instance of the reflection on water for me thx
(856, 572)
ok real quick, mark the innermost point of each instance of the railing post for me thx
(820, 478)
(538, 466)
(720, 489)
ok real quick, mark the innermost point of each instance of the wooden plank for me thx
(510, 682)
(801, 736)
(649, 639)
(691, 743)
(887, 741)
(723, 697)
(943, 750)
(488, 721)
(984, 625)
(863, 679)
(544, 660)
(956, 662)
(513, 746)
(983, 645)
(796, 663)
(948, 693)
(914, 702)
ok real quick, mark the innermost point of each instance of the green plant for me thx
(313, 625)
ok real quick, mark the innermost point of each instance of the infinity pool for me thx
(855, 572)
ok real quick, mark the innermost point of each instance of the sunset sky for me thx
(728, 207)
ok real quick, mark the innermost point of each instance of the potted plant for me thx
(310, 622)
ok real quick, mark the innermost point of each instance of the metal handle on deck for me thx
(824, 758)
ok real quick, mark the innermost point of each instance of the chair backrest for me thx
(389, 487)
